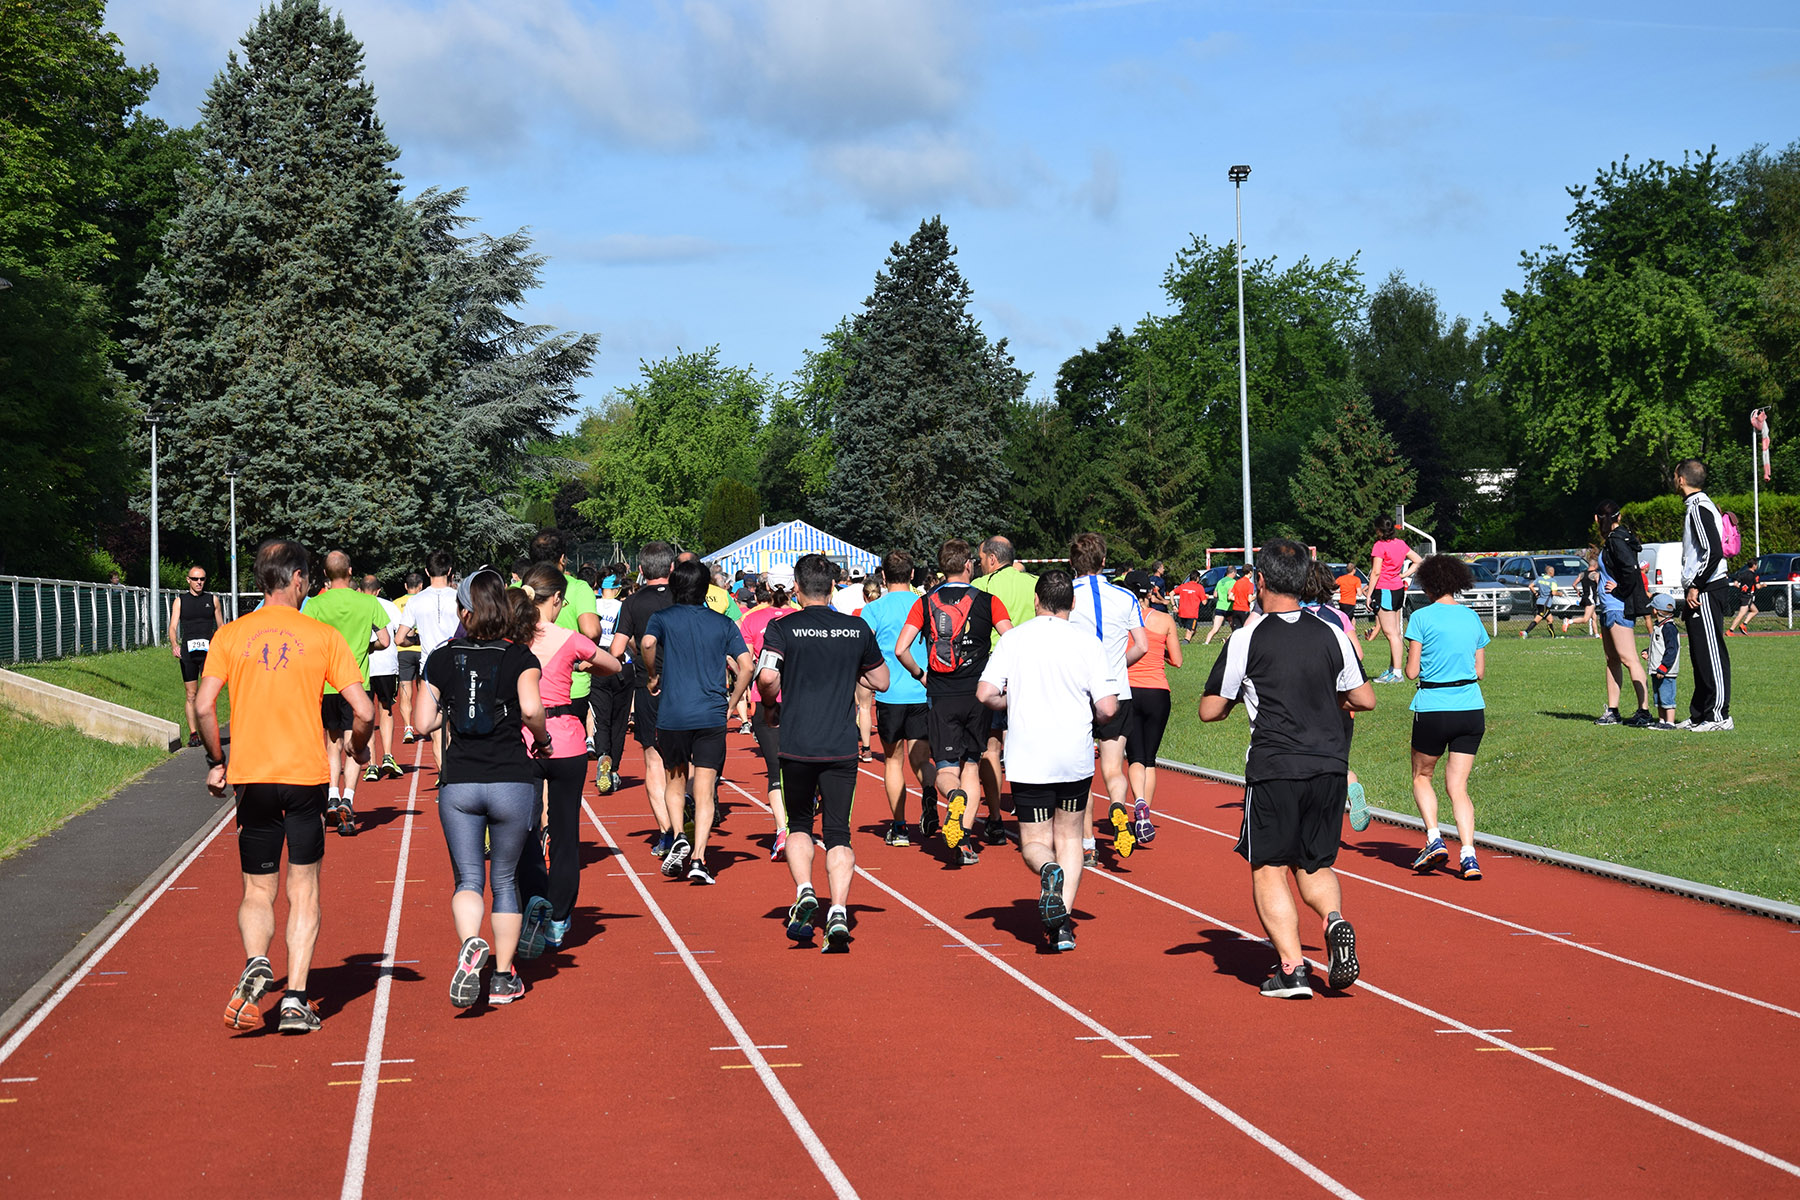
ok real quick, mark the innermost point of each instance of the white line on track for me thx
(1231, 1117)
(1654, 1109)
(356, 1163)
(834, 1175)
(73, 981)
(1523, 929)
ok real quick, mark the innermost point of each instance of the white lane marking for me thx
(774, 1046)
(1497, 1043)
(1124, 1037)
(1255, 1133)
(356, 1163)
(357, 1062)
(1466, 1031)
(840, 1184)
(44, 1010)
(21, 1079)
(1525, 929)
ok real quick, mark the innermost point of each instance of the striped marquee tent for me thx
(786, 544)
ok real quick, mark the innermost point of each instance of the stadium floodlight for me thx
(232, 471)
(1237, 175)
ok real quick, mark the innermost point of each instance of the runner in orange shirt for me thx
(277, 663)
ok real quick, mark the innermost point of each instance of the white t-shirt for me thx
(433, 613)
(1052, 672)
(848, 599)
(1108, 613)
(387, 662)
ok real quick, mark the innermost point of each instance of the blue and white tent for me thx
(786, 544)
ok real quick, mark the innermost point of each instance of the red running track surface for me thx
(1538, 1032)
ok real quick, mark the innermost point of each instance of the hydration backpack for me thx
(473, 706)
(1728, 534)
(949, 630)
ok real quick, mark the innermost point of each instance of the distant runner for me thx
(359, 618)
(900, 710)
(193, 619)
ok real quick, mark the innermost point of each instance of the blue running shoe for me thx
(800, 916)
(1051, 909)
(1359, 808)
(1142, 827)
(1471, 870)
(1431, 857)
(537, 923)
(554, 933)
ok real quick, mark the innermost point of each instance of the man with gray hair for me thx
(655, 559)
(1001, 576)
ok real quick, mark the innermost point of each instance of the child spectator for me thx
(1664, 656)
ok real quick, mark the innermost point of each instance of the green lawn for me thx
(148, 680)
(1722, 809)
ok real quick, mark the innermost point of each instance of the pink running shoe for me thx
(775, 855)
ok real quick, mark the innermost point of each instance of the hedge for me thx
(1659, 520)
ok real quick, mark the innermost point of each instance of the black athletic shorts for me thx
(1144, 725)
(1187, 623)
(1458, 732)
(958, 729)
(409, 665)
(1349, 610)
(1106, 731)
(191, 663)
(335, 712)
(1034, 802)
(1293, 822)
(386, 689)
(898, 723)
(643, 718)
(1236, 617)
(271, 813)
(682, 748)
(824, 787)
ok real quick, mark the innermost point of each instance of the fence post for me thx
(18, 651)
(37, 607)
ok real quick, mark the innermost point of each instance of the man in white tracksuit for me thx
(1709, 603)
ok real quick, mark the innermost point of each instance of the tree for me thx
(1150, 498)
(730, 513)
(297, 326)
(1056, 452)
(917, 427)
(1766, 192)
(1351, 474)
(795, 449)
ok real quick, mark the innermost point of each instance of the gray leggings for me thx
(486, 824)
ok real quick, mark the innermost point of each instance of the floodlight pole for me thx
(1237, 176)
(155, 419)
(231, 475)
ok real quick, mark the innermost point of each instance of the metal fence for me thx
(54, 618)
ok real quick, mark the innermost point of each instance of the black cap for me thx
(1137, 581)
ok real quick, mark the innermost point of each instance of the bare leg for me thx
(1275, 909)
(506, 939)
(800, 857)
(1424, 795)
(193, 704)
(993, 778)
(303, 921)
(840, 868)
(1321, 891)
(893, 778)
(334, 757)
(656, 787)
(1390, 626)
(384, 722)
(1456, 782)
(1622, 639)
(706, 786)
(256, 914)
(669, 817)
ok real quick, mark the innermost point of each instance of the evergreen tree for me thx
(918, 427)
(1350, 475)
(297, 327)
(1151, 488)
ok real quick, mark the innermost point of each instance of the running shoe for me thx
(590, 748)
(1641, 719)
(410, 737)
(465, 982)
(897, 835)
(537, 921)
(1051, 909)
(1431, 857)
(1065, 937)
(554, 933)
(1123, 841)
(1610, 717)
(780, 851)
(1142, 827)
(371, 773)
(698, 874)
(1665, 726)
(194, 739)
(1285, 986)
(390, 768)
(994, 833)
(1471, 870)
(660, 847)
(346, 818)
(504, 989)
(837, 931)
(863, 754)
(242, 1011)
(616, 781)
(1359, 807)
(1392, 676)
(675, 861)
(929, 825)
(968, 853)
(299, 1016)
(603, 782)
(1090, 857)
(1340, 944)
(953, 826)
(800, 915)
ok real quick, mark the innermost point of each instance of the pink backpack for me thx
(1728, 534)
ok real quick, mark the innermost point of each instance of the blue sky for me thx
(725, 173)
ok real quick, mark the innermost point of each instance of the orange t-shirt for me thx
(1348, 586)
(1242, 592)
(277, 662)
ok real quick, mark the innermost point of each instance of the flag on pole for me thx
(1759, 421)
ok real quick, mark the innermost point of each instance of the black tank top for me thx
(198, 621)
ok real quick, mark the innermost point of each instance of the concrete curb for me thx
(97, 718)
(1760, 905)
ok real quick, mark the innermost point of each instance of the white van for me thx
(1661, 563)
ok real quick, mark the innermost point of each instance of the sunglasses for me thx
(196, 579)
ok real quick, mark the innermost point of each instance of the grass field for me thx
(1722, 809)
(53, 772)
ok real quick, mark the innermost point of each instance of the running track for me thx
(1538, 1033)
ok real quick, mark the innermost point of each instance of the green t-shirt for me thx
(578, 598)
(1016, 589)
(354, 614)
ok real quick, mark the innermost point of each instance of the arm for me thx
(1361, 698)
(174, 626)
(425, 714)
(741, 674)
(1106, 707)
(647, 652)
(991, 696)
(1413, 650)
(1172, 645)
(903, 652)
(602, 663)
(1212, 708)
(1481, 663)
(1137, 647)
(208, 701)
(531, 711)
(362, 710)
(589, 625)
(381, 639)
(1411, 564)
(1712, 551)
(876, 678)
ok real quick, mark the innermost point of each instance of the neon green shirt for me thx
(354, 614)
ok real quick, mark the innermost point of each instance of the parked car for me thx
(1505, 598)
(1661, 564)
(1776, 569)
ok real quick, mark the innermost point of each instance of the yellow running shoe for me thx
(953, 826)
(1124, 842)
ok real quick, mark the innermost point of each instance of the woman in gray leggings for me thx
(485, 688)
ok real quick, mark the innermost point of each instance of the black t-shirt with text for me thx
(497, 757)
(822, 653)
(635, 613)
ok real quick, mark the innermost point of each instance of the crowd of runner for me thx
(983, 689)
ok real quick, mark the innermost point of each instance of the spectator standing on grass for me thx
(1708, 594)
(277, 664)
(1664, 657)
(1622, 601)
(1391, 562)
(1446, 653)
(1296, 675)
(193, 619)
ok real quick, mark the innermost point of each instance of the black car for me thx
(1772, 571)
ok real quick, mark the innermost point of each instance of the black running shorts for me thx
(683, 748)
(824, 787)
(1145, 723)
(1293, 822)
(1459, 731)
(192, 661)
(1106, 731)
(335, 712)
(386, 689)
(643, 718)
(269, 814)
(898, 723)
(1035, 802)
(958, 729)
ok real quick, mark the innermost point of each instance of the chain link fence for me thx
(55, 618)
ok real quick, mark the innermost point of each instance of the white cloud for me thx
(897, 177)
(1214, 46)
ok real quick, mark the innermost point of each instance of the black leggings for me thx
(1145, 724)
(610, 702)
(768, 744)
(827, 788)
(560, 878)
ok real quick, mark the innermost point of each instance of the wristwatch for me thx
(214, 762)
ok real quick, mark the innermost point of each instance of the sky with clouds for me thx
(710, 172)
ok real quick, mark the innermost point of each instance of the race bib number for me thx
(198, 645)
